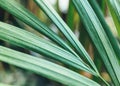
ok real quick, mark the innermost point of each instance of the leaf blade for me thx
(57, 20)
(111, 37)
(99, 38)
(44, 68)
(27, 17)
(30, 41)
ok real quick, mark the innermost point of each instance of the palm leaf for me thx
(111, 37)
(44, 68)
(28, 40)
(53, 15)
(30, 19)
(99, 38)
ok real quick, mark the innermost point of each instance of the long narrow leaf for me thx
(27, 17)
(99, 38)
(28, 40)
(44, 68)
(111, 37)
(53, 15)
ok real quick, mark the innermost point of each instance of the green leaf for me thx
(53, 15)
(44, 68)
(99, 38)
(114, 7)
(111, 37)
(30, 41)
(30, 19)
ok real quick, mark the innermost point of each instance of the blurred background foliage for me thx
(19, 77)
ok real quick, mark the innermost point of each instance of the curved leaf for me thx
(28, 40)
(53, 15)
(44, 68)
(30, 19)
(111, 37)
(99, 38)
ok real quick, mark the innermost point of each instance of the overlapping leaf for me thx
(53, 15)
(28, 40)
(44, 68)
(27, 17)
(99, 38)
(111, 37)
